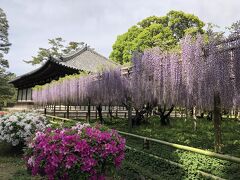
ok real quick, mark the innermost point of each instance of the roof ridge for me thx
(71, 55)
(80, 51)
(55, 60)
(93, 51)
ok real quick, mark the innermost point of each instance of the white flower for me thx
(15, 142)
(80, 126)
(31, 161)
(30, 145)
(18, 127)
(13, 118)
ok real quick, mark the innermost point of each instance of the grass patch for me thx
(181, 132)
(139, 166)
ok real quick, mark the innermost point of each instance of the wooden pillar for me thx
(96, 114)
(146, 144)
(129, 115)
(17, 94)
(89, 110)
(54, 110)
(217, 122)
(194, 118)
(68, 111)
(116, 112)
(26, 94)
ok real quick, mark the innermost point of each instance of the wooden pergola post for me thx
(68, 111)
(217, 122)
(54, 110)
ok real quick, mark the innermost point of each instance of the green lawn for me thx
(182, 132)
(12, 166)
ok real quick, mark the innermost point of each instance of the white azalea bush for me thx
(18, 128)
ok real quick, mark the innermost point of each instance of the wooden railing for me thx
(146, 141)
(186, 148)
(177, 146)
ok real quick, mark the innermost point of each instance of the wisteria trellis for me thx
(184, 79)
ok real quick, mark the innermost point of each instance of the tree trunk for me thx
(139, 117)
(89, 111)
(129, 108)
(217, 122)
(164, 117)
(54, 110)
(68, 111)
(194, 118)
(149, 109)
(110, 112)
(186, 114)
(99, 109)
(236, 114)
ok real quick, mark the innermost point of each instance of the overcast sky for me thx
(96, 22)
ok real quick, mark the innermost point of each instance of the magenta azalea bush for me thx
(81, 152)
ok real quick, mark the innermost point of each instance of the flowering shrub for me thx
(2, 113)
(17, 128)
(81, 152)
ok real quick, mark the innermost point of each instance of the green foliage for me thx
(234, 29)
(7, 91)
(138, 165)
(56, 50)
(4, 43)
(164, 32)
(182, 133)
(213, 32)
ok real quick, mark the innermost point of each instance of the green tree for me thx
(4, 43)
(57, 49)
(165, 32)
(213, 32)
(234, 29)
(7, 91)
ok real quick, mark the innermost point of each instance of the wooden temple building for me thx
(84, 59)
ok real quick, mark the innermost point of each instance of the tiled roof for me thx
(86, 59)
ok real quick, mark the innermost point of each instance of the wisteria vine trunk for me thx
(89, 110)
(164, 115)
(99, 109)
(129, 109)
(110, 111)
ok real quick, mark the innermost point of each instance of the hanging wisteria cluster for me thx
(103, 88)
(186, 79)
